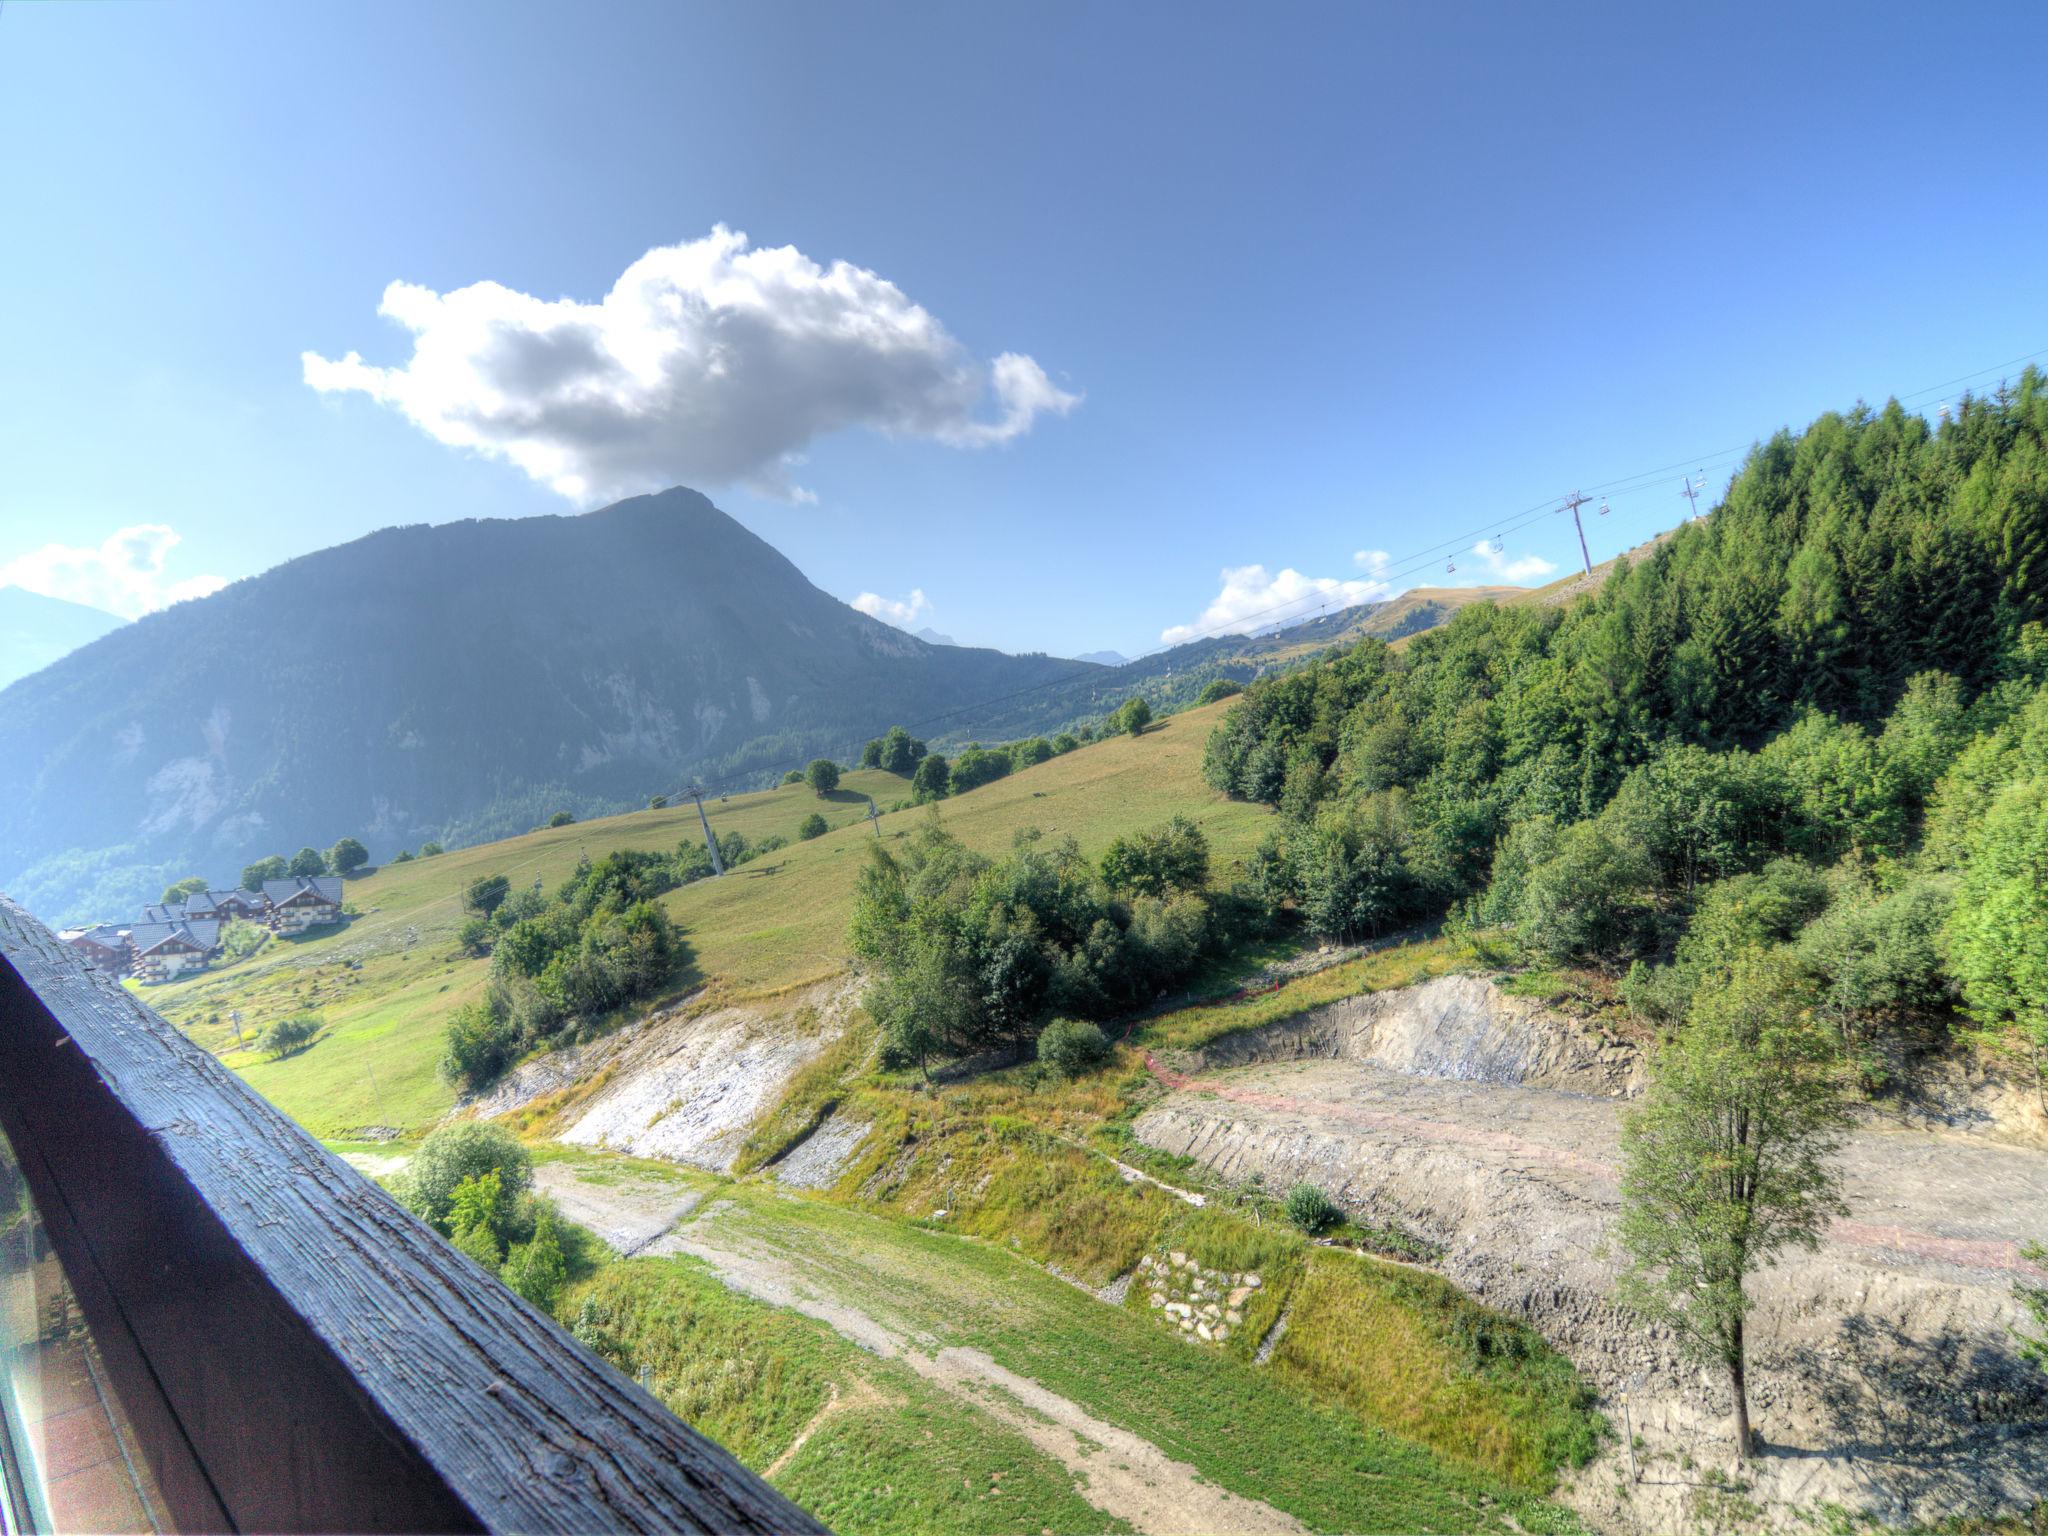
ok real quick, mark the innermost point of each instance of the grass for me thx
(1258, 1433)
(1401, 965)
(781, 922)
(1408, 1351)
(386, 982)
(895, 1454)
(1024, 1159)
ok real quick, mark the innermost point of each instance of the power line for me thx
(1620, 488)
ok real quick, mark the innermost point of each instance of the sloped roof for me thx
(278, 892)
(202, 932)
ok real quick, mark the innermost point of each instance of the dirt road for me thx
(1120, 1473)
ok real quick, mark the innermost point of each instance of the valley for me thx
(1249, 1120)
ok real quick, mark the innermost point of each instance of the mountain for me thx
(931, 636)
(36, 630)
(453, 682)
(1104, 658)
(467, 680)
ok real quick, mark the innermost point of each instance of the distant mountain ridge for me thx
(454, 681)
(465, 680)
(36, 630)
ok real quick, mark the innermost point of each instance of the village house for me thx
(103, 944)
(300, 902)
(221, 906)
(173, 938)
(164, 951)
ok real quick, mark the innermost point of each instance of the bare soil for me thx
(1885, 1377)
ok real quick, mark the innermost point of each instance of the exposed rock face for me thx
(1458, 1027)
(817, 1161)
(1883, 1370)
(682, 1084)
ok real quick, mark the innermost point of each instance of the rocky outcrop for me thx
(820, 1158)
(686, 1083)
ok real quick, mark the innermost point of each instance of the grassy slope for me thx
(782, 921)
(1326, 1442)
(886, 1452)
(385, 984)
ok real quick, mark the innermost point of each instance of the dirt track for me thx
(1885, 1373)
(1120, 1473)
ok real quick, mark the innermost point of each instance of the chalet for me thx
(160, 912)
(103, 944)
(220, 906)
(301, 902)
(163, 951)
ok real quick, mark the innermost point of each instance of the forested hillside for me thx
(1818, 718)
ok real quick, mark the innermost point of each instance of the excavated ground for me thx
(1885, 1377)
(685, 1084)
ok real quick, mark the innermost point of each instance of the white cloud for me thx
(123, 575)
(1501, 568)
(707, 363)
(1254, 598)
(902, 614)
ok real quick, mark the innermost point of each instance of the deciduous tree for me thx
(1728, 1161)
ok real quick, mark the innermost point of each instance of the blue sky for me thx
(1297, 282)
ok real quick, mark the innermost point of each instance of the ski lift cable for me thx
(1618, 489)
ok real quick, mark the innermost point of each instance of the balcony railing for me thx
(249, 1335)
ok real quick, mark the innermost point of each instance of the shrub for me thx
(429, 849)
(822, 774)
(976, 766)
(1174, 857)
(794, 776)
(561, 819)
(478, 1217)
(1311, 1210)
(811, 826)
(240, 939)
(538, 1270)
(466, 1150)
(1071, 1046)
(191, 886)
(403, 856)
(485, 894)
(899, 752)
(932, 780)
(1219, 688)
(272, 868)
(292, 1034)
(657, 802)
(474, 935)
(1135, 715)
(482, 1042)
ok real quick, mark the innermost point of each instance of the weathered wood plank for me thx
(329, 1361)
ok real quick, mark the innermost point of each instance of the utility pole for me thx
(1572, 503)
(1692, 493)
(717, 863)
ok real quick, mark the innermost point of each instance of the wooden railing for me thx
(293, 1350)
